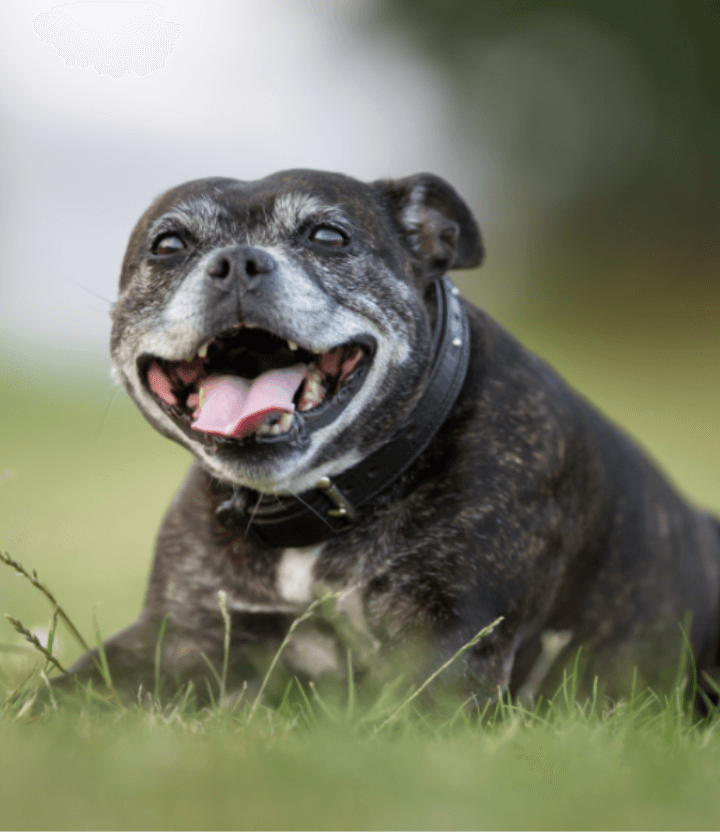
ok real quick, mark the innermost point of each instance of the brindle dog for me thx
(360, 428)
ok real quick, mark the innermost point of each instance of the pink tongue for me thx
(235, 407)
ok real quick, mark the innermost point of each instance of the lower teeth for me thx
(274, 426)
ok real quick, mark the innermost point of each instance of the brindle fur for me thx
(527, 504)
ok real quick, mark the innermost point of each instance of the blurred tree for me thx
(668, 49)
(599, 122)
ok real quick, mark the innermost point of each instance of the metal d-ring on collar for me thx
(332, 507)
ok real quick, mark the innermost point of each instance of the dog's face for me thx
(279, 329)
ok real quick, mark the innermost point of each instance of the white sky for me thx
(248, 88)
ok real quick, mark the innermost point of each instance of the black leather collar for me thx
(335, 505)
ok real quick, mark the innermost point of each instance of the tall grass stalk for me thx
(475, 639)
(33, 578)
(310, 611)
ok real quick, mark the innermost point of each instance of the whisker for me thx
(113, 396)
(312, 509)
(85, 289)
(257, 505)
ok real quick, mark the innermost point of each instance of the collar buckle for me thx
(331, 491)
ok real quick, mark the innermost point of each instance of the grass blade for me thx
(35, 642)
(293, 627)
(475, 639)
(33, 578)
(158, 658)
(104, 668)
(222, 601)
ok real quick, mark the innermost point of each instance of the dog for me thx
(362, 433)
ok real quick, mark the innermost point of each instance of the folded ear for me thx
(437, 225)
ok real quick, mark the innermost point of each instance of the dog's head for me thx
(280, 329)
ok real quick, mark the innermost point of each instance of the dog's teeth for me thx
(292, 345)
(276, 424)
(203, 351)
(313, 392)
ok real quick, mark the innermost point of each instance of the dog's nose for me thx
(250, 265)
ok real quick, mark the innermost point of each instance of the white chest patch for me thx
(295, 576)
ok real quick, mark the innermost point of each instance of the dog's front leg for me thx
(161, 657)
(126, 663)
(181, 636)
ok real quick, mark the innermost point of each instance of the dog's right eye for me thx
(168, 244)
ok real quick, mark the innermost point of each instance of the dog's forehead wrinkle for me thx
(200, 214)
(292, 207)
(286, 214)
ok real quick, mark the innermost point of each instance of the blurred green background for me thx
(596, 128)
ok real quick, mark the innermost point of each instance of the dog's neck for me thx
(336, 503)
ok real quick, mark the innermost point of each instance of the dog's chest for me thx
(295, 574)
(313, 647)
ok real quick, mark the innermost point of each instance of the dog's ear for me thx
(437, 225)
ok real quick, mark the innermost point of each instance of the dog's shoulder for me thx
(519, 409)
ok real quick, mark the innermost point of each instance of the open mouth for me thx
(246, 382)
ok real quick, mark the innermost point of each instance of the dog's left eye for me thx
(169, 244)
(328, 236)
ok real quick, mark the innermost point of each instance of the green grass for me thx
(327, 765)
(87, 492)
(386, 759)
